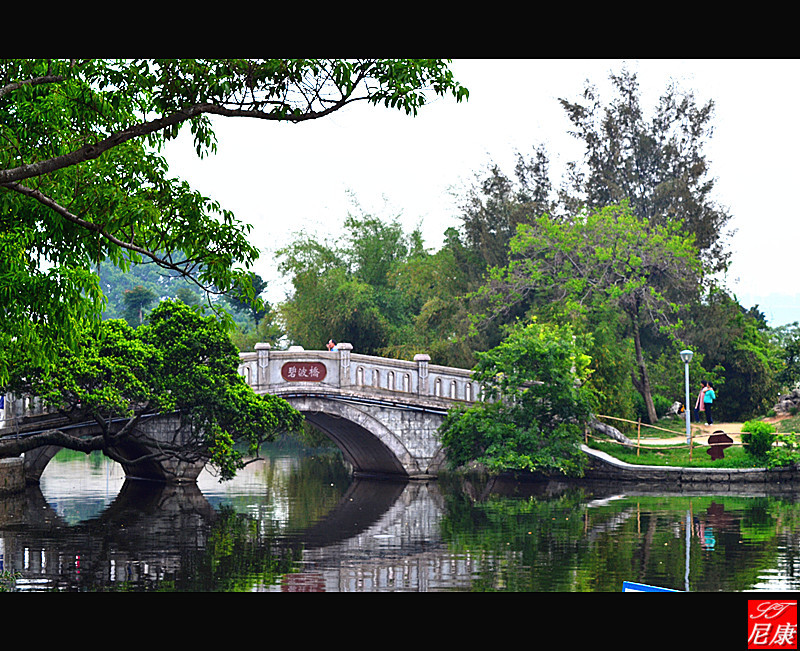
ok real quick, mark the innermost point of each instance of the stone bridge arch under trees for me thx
(382, 413)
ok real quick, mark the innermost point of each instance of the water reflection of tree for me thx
(236, 557)
(524, 543)
(542, 542)
(310, 486)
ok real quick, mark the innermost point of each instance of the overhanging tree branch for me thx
(93, 151)
(162, 261)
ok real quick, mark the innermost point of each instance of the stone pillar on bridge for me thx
(344, 363)
(262, 364)
(422, 360)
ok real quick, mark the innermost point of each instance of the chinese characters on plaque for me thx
(303, 372)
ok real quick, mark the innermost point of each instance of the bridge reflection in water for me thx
(380, 535)
(301, 524)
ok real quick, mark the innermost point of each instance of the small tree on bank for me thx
(537, 403)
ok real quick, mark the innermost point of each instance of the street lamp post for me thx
(686, 356)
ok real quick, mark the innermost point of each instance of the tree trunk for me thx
(642, 381)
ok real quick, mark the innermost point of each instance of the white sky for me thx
(283, 178)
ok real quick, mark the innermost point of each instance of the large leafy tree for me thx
(495, 203)
(178, 360)
(343, 289)
(787, 339)
(737, 353)
(656, 162)
(602, 260)
(82, 181)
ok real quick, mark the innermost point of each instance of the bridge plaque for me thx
(303, 371)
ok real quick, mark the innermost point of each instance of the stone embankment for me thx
(604, 467)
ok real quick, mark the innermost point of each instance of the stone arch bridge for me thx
(382, 413)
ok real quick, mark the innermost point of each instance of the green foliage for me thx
(361, 289)
(268, 330)
(434, 288)
(493, 207)
(605, 262)
(758, 438)
(737, 353)
(8, 580)
(137, 302)
(612, 354)
(604, 257)
(784, 452)
(537, 402)
(256, 309)
(151, 279)
(178, 360)
(82, 182)
(787, 339)
(110, 376)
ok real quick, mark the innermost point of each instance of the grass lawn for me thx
(788, 425)
(678, 455)
(735, 456)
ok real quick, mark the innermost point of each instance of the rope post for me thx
(638, 436)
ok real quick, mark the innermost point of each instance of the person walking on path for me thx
(700, 405)
(708, 399)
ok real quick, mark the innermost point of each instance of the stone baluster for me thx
(422, 360)
(344, 363)
(262, 365)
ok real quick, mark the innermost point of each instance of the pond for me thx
(297, 521)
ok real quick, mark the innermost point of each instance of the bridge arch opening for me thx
(99, 481)
(367, 444)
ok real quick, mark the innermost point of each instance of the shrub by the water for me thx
(757, 438)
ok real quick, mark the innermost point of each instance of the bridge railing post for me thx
(344, 363)
(262, 365)
(422, 360)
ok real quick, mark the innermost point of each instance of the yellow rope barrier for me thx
(640, 423)
(673, 446)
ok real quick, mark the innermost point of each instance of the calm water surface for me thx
(298, 521)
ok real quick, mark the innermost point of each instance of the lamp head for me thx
(686, 356)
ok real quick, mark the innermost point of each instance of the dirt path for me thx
(701, 432)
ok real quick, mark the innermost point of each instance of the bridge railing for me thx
(268, 370)
(15, 409)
